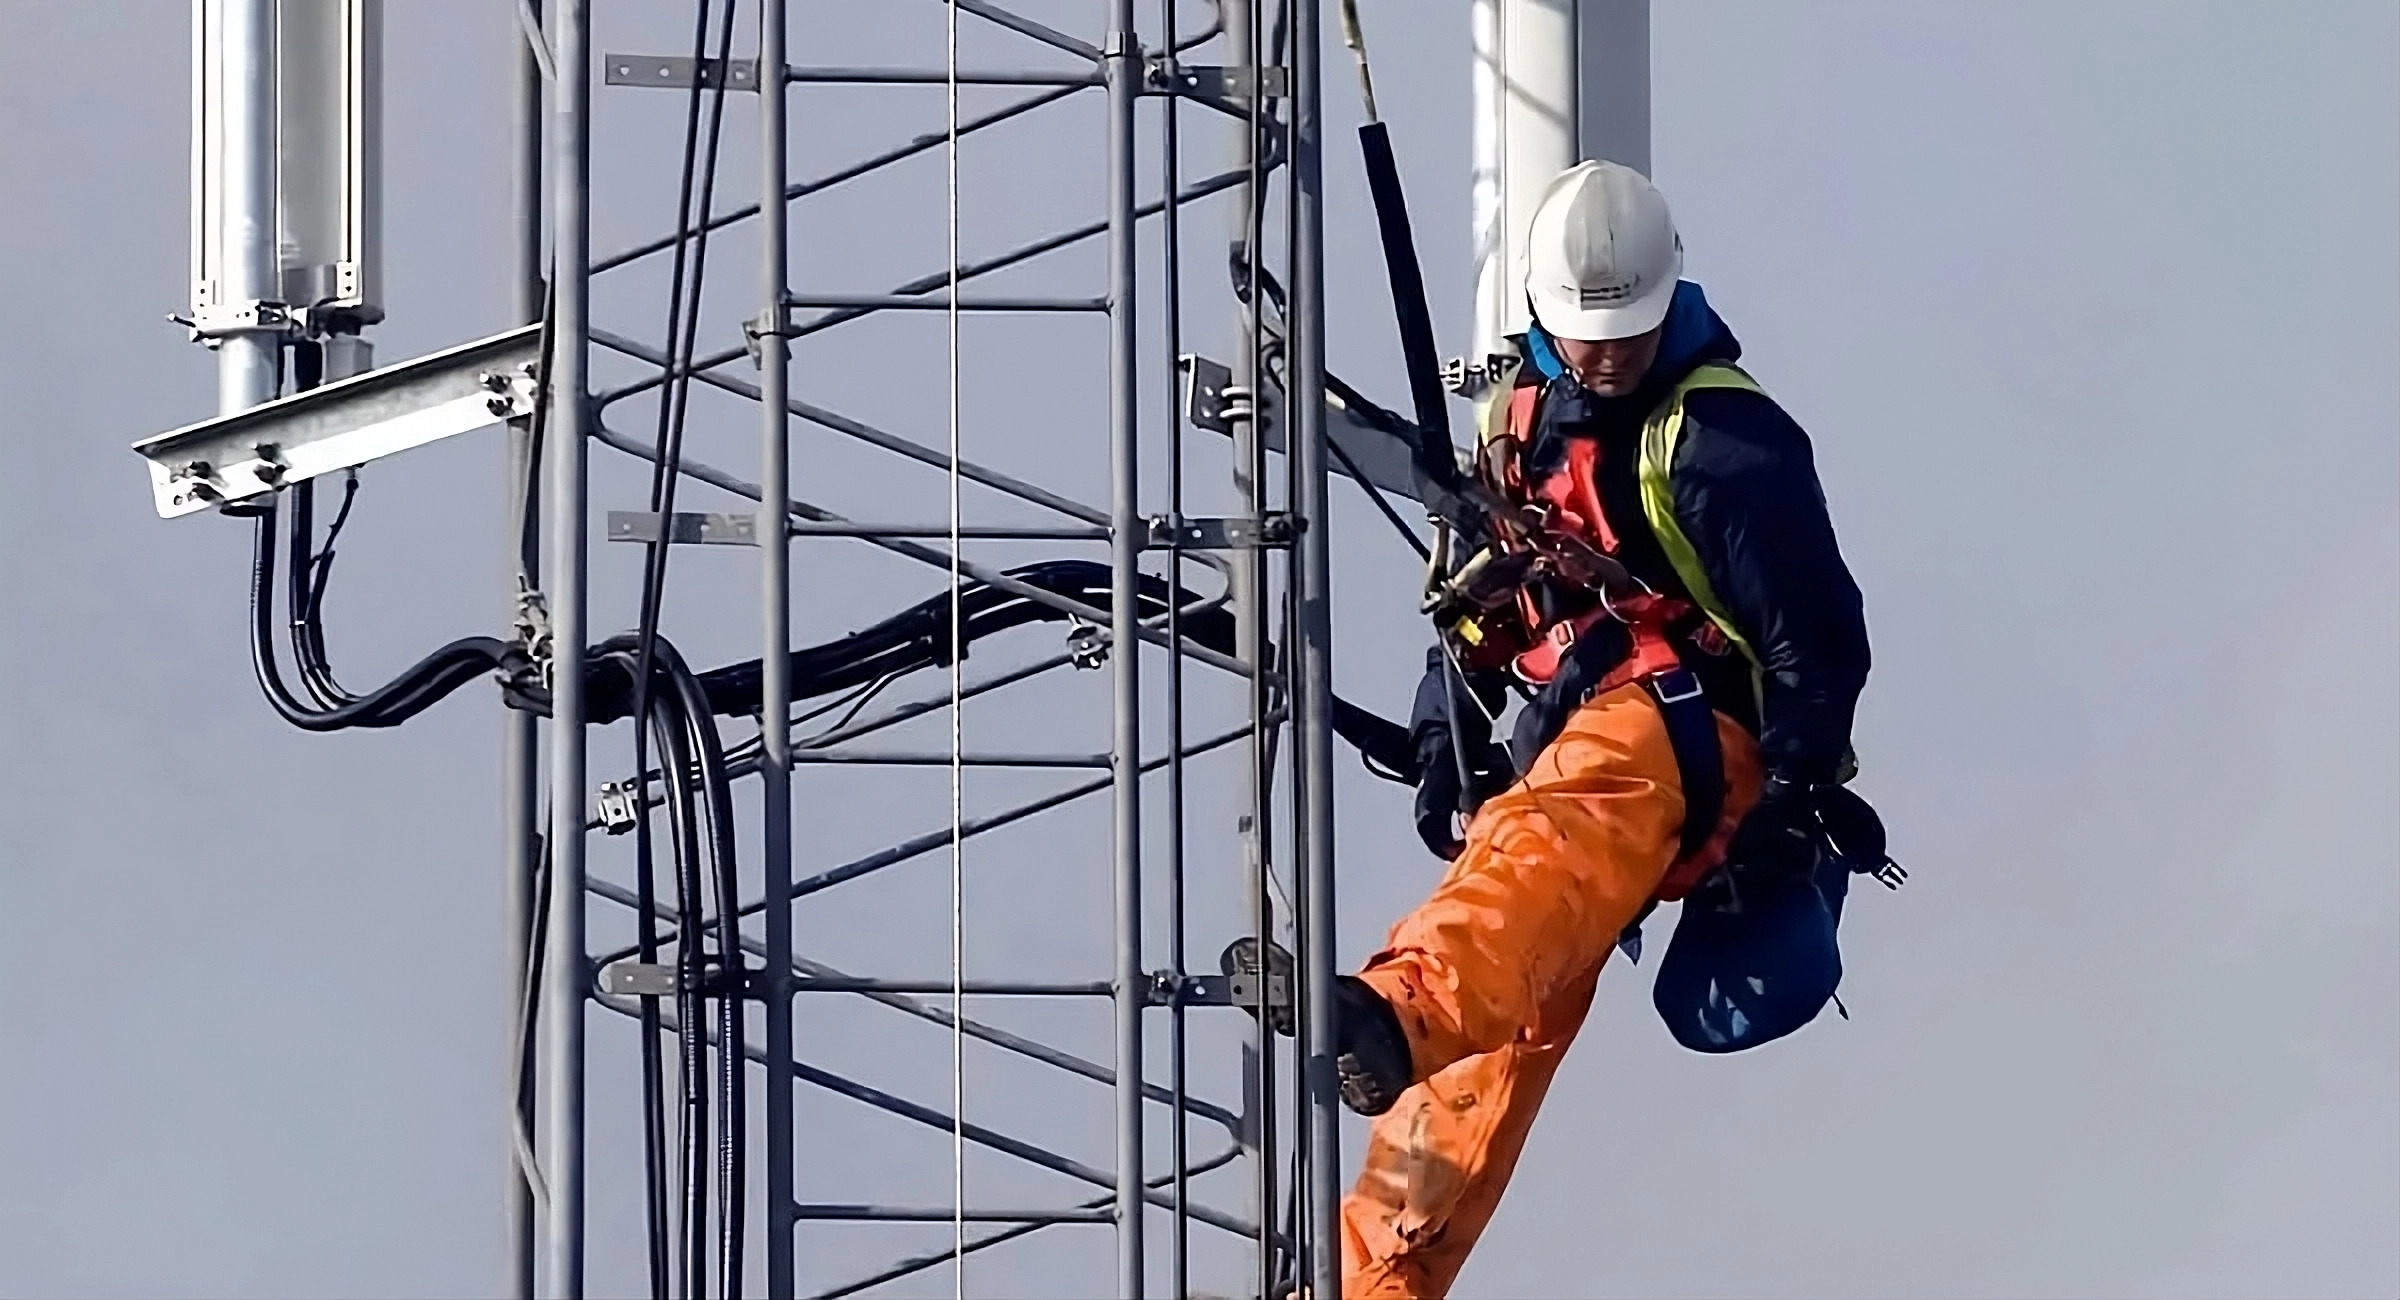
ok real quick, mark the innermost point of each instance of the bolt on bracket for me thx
(1168, 989)
(677, 72)
(1213, 81)
(687, 528)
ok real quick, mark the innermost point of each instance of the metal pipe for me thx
(971, 532)
(775, 665)
(520, 795)
(1313, 709)
(903, 302)
(892, 1104)
(1170, 149)
(946, 1214)
(834, 76)
(927, 554)
(564, 988)
(920, 1263)
(928, 758)
(919, 708)
(1121, 60)
(867, 433)
(1024, 26)
(939, 280)
(250, 275)
(1247, 585)
(932, 840)
(971, 988)
(805, 970)
(849, 172)
(1014, 256)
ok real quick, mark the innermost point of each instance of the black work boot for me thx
(1373, 1065)
(1371, 1058)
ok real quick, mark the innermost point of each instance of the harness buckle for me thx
(1682, 682)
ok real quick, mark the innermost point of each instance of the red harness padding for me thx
(1572, 498)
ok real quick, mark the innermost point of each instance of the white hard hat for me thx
(1602, 256)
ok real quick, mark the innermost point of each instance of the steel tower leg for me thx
(775, 699)
(564, 973)
(1314, 709)
(1122, 63)
(520, 795)
(1247, 583)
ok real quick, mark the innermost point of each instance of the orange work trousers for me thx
(1492, 976)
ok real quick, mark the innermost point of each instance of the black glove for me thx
(1780, 838)
(1442, 796)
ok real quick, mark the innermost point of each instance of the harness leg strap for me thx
(1699, 767)
(1699, 759)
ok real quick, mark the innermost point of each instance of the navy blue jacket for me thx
(1745, 490)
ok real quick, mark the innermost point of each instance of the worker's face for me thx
(1610, 367)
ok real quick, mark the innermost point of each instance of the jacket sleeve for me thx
(1746, 493)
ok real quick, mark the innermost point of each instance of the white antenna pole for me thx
(329, 184)
(237, 294)
(1553, 82)
(286, 185)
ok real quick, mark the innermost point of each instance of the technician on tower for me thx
(1666, 576)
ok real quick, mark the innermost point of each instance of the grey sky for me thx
(2093, 311)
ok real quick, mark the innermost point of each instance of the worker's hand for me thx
(1780, 836)
(1443, 799)
(1440, 799)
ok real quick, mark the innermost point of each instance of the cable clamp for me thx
(217, 321)
(1087, 645)
(532, 631)
(615, 806)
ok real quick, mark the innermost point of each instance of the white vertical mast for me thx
(1553, 82)
(286, 169)
(237, 302)
(329, 82)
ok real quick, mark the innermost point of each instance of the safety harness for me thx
(1546, 538)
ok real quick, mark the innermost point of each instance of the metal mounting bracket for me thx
(677, 72)
(1469, 379)
(688, 529)
(1273, 531)
(1212, 402)
(637, 979)
(1217, 990)
(342, 424)
(225, 320)
(1212, 81)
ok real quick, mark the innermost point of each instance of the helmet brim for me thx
(1562, 313)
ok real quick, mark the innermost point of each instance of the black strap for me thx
(1699, 758)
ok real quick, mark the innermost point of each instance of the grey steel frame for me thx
(1295, 692)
